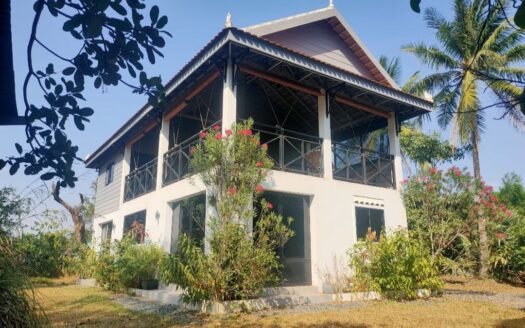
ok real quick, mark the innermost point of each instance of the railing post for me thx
(281, 151)
(395, 150)
(325, 133)
(164, 143)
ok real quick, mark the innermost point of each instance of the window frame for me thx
(102, 235)
(110, 168)
(131, 216)
(356, 219)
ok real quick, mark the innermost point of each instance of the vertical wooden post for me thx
(325, 133)
(395, 149)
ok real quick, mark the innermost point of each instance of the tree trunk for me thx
(75, 212)
(484, 252)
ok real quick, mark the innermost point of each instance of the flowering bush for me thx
(240, 259)
(443, 209)
(396, 266)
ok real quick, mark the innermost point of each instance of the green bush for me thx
(82, 261)
(396, 266)
(508, 259)
(125, 264)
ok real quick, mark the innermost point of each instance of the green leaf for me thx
(119, 9)
(154, 14)
(14, 168)
(47, 176)
(2, 164)
(79, 123)
(162, 22)
(414, 4)
(98, 82)
(58, 89)
(86, 111)
(519, 17)
(49, 69)
(18, 148)
(68, 71)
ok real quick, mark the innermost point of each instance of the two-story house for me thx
(316, 95)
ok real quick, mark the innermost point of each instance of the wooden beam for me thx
(278, 80)
(360, 106)
(200, 86)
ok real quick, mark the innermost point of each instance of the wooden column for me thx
(395, 149)
(325, 133)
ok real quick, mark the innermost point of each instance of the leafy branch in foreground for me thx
(113, 37)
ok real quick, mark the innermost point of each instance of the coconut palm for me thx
(476, 54)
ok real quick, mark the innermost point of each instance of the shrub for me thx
(396, 266)
(239, 261)
(82, 261)
(508, 259)
(125, 264)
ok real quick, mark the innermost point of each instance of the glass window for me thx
(107, 229)
(369, 218)
(109, 173)
(192, 215)
(136, 223)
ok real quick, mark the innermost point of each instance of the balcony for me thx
(177, 161)
(141, 180)
(355, 164)
(292, 151)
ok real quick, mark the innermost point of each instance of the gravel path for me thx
(146, 306)
(510, 300)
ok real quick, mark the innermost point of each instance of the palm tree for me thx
(476, 53)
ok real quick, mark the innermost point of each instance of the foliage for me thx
(443, 209)
(508, 258)
(46, 252)
(125, 263)
(82, 261)
(512, 193)
(428, 149)
(239, 262)
(12, 209)
(337, 276)
(113, 38)
(397, 266)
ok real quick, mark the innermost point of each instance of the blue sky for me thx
(383, 25)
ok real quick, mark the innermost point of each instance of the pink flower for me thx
(202, 135)
(508, 213)
(218, 136)
(229, 132)
(232, 191)
(269, 206)
(193, 150)
(405, 181)
(259, 164)
(259, 188)
(433, 170)
(264, 146)
(216, 127)
(457, 173)
(501, 235)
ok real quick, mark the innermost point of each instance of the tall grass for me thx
(18, 305)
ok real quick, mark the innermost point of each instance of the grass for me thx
(72, 306)
(487, 286)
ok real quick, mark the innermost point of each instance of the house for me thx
(316, 95)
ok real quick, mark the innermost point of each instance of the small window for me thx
(192, 215)
(107, 229)
(109, 173)
(369, 218)
(136, 224)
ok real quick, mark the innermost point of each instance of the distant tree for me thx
(512, 192)
(113, 38)
(13, 208)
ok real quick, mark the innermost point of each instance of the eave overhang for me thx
(234, 36)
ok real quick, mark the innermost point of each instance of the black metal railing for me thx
(292, 151)
(141, 180)
(177, 161)
(360, 165)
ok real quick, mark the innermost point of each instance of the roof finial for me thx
(228, 22)
(331, 4)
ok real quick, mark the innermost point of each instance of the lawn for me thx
(73, 306)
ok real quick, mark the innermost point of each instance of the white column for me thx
(210, 214)
(125, 171)
(395, 149)
(325, 133)
(163, 148)
(229, 101)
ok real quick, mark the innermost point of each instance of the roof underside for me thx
(249, 50)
